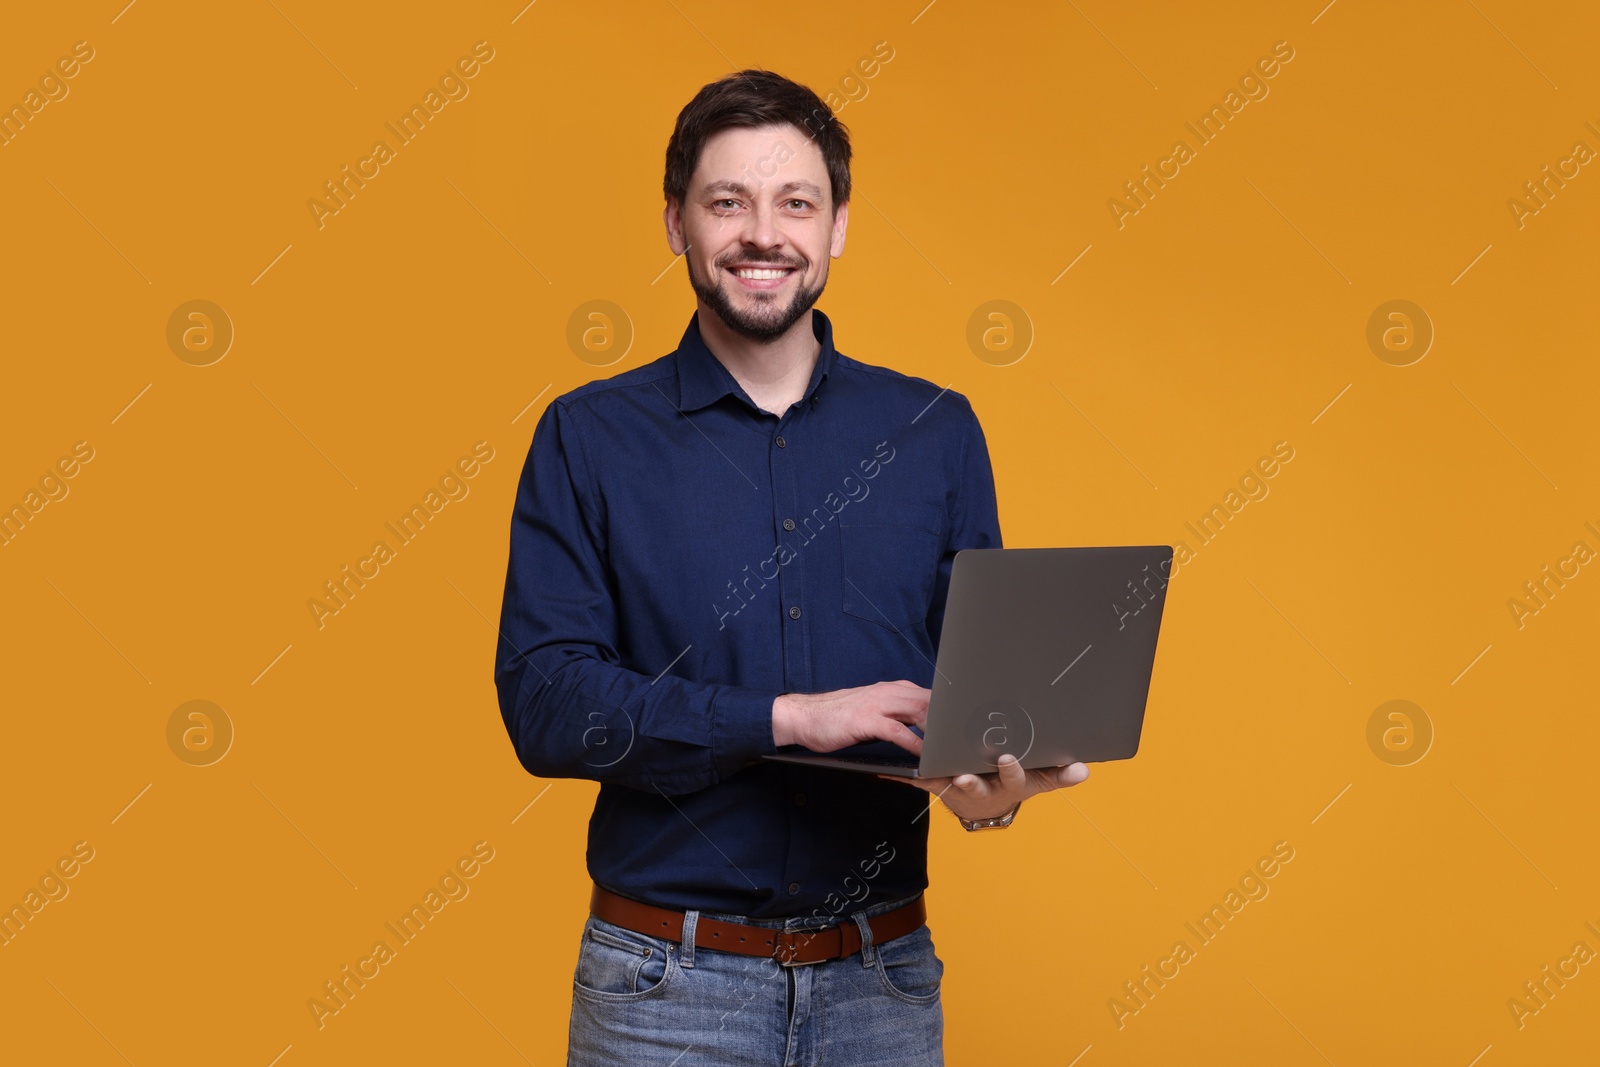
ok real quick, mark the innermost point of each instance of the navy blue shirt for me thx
(679, 558)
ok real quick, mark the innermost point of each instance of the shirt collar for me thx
(702, 379)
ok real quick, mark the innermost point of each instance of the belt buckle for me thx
(786, 946)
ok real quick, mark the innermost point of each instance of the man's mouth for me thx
(761, 277)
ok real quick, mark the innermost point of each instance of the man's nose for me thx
(761, 227)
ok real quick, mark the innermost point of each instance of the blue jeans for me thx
(644, 1001)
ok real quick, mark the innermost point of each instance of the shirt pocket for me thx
(890, 564)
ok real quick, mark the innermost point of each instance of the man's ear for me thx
(841, 219)
(673, 218)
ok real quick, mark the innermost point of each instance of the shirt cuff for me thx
(741, 728)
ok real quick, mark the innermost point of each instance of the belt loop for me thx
(867, 948)
(686, 947)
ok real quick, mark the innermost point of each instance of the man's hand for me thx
(986, 796)
(824, 722)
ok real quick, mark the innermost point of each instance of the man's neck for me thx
(773, 373)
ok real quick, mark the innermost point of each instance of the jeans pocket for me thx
(618, 965)
(910, 968)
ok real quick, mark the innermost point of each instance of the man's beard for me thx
(766, 321)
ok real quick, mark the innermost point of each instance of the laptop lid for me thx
(1046, 653)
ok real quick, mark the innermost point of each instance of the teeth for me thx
(760, 275)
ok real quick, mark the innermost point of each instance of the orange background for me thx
(431, 312)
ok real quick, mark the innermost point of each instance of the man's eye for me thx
(803, 203)
(719, 203)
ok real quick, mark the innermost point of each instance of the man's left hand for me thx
(986, 796)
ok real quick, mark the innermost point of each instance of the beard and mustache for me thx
(768, 318)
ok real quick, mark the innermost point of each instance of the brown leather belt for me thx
(786, 946)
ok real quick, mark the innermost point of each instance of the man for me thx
(740, 547)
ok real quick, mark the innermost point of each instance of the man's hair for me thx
(749, 99)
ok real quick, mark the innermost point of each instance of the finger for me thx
(906, 696)
(901, 735)
(907, 713)
(1073, 773)
(973, 785)
(1049, 778)
(916, 699)
(1012, 776)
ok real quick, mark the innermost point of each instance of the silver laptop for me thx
(1046, 653)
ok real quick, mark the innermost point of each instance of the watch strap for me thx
(997, 822)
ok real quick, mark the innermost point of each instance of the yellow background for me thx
(431, 312)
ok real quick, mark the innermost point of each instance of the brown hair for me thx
(749, 99)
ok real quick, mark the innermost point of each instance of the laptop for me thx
(1046, 653)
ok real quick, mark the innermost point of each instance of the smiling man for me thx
(743, 546)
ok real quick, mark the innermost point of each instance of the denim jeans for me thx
(644, 1001)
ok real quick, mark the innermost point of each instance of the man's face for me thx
(758, 224)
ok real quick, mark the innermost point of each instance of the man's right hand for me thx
(825, 722)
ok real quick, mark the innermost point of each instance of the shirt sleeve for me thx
(573, 710)
(974, 517)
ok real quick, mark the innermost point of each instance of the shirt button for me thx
(788, 524)
(799, 800)
(794, 613)
(794, 887)
(781, 443)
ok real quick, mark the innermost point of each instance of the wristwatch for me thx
(998, 822)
